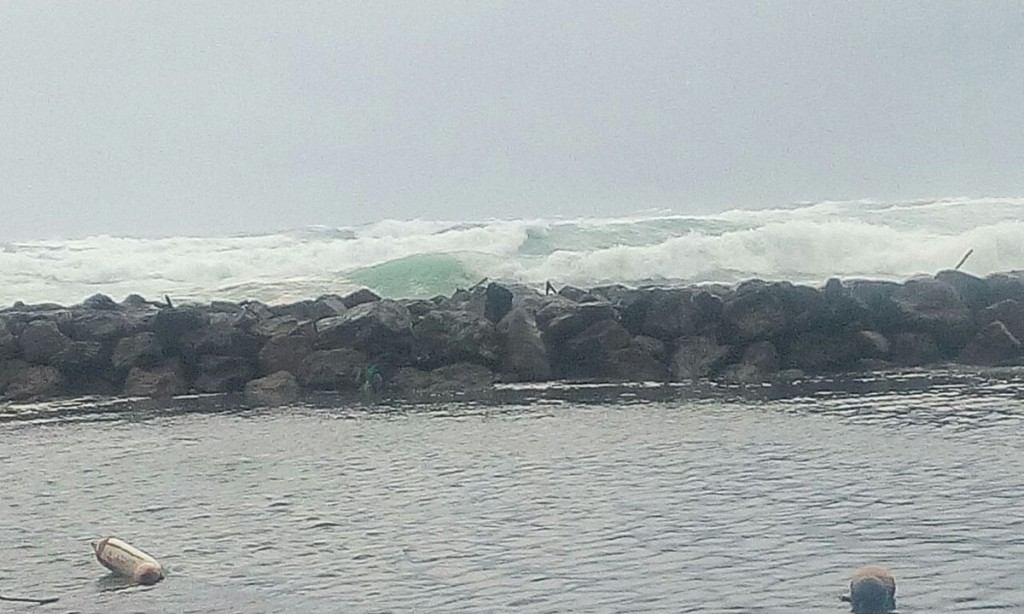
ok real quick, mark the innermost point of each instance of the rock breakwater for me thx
(466, 342)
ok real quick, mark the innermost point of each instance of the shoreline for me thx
(464, 344)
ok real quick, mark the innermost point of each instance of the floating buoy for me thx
(872, 591)
(126, 560)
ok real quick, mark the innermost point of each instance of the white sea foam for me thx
(806, 243)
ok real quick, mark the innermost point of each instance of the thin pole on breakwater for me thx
(964, 259)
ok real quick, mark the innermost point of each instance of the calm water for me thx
(548, 500)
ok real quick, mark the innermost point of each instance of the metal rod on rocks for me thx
(964, 259)
(30, 600)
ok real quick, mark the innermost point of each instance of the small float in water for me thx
(126, 560)
(872, 591)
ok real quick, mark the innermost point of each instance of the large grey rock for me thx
(41, 340)
(669, 314)
(914, 349)
(935, 308)
(993, 345)
(162, 381)
(873, 303)
(82, 360)
(524, 357)
(562, 319)
(460, 379)
(759, 363)
(9, 346)
(338, 369)
(34, 382)
(225, 335)
(446, 337)
(139, 350)
(973, 291)
(497, 302)
(643, 360)
(8, 370)
(283, 325)
(102, 302)
(1009, 312)
(359, 297)
(97, 325)
(326, 306)
(755, 312)
(285, 353)
(1008, 285)
(817, 352)
(591, 354)
(277, 387)
(172, 327)
(382, 328)
(223, 373)
(697, 357)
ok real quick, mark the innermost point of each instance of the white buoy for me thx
(126, 560)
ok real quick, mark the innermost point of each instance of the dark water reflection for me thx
(551, 499)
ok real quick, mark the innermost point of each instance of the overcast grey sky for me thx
(147, 118)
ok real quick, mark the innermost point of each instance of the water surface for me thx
(555, 499)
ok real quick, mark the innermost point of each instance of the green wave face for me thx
(416, 276)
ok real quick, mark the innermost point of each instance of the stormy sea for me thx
(558, 497)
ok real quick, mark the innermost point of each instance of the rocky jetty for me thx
(464, 343)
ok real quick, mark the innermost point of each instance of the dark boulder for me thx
(643, 360)
(139, 350)
(41, 340)
(755, 312)
(359, 297)
(934, 307)
(225, 335)
(222, 373)
(523, 356)
(497, 302)
(96, 325)
(914, 349)
(577, 295)
(669, 314)
(820, 352)
(284, 353)
(282, 325)
(278, 387)
(161, 381)
(101, 302)
(1003, 286)
(446, 337)
(994, 345)
(326, 306)
(34, 382)
(759, 363)
(592, 353)
(82, 360)
(562, 319)
(380, 329)
(698, 357)
(808, 309)
(456, 380)
(973, 291)
(338, 369)
(873, 303)
(9, 346)
(173, 325)
(8, 370)
(1009, 312)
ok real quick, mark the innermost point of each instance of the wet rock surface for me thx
(466, 342)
